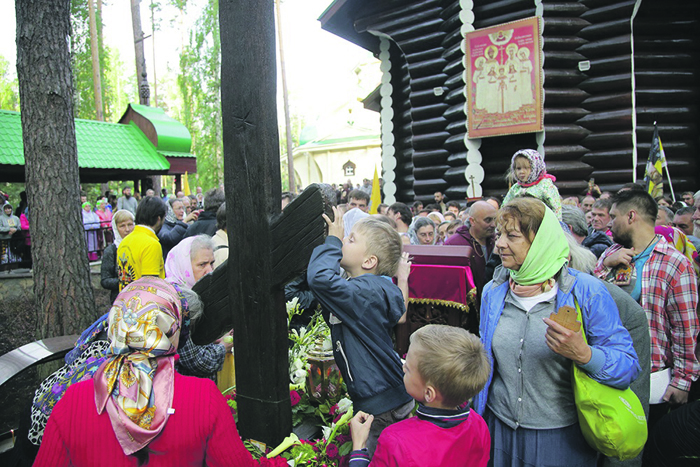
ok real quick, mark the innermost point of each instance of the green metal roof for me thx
(173, 136)
(101, 145)
(175, 154)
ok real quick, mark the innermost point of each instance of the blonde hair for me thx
(122, 215)
(452, 360)
(383, 242)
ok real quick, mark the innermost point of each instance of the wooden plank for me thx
(253, 190)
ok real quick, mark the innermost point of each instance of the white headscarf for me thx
(117, 237)
(351, 217)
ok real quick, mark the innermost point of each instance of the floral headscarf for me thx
(538, 170)
(135, 384)
(170, 214)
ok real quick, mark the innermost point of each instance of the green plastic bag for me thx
(612, 420)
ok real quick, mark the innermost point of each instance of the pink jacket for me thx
(417, 442)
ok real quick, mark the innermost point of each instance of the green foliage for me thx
(114, 89)
(9, 88)
(200, 84)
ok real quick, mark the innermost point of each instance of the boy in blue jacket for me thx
(362, 312)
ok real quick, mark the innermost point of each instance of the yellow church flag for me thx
(186, 185)
(376, 198)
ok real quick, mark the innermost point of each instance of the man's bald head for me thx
(482, 217)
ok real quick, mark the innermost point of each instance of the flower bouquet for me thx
(324, 405)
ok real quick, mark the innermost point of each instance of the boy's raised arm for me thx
(402, 274)
(323, 275)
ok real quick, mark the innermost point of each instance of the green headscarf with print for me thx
(548, 253)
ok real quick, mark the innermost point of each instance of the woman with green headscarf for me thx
(528, 401)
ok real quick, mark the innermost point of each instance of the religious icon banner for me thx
(504, 79)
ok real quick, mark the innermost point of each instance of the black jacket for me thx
(170, 235)
(361, 313)
(108, 272)
(597, 242)
(205, 224)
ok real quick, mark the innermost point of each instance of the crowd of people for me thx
(624, 263)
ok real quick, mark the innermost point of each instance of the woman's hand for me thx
(336, 226)
(567, 343)
(191, 217)
(359, 429)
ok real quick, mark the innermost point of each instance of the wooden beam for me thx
(253, 191)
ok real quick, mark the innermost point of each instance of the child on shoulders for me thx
(445, 367)
(530, 173)
(362, 312)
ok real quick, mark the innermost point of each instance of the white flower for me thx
(327, 344)
(327, 430)
(299, 376)
(344, 404)
(292, 304)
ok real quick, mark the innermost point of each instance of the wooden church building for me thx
(609, 70)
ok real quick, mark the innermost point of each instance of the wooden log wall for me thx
(667, 87)
(455, 116)
(587, 116)
(666, 78)
(497, 151)
(419, 125)
(609, 89)
(403, 136)
(563, 97)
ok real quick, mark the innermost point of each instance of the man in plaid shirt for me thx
(663, 281)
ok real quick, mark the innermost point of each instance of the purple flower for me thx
(296, 398)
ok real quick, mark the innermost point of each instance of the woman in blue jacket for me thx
(528, 401)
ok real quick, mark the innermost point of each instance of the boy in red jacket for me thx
(445, 367)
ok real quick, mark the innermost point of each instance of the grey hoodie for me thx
(7, 223)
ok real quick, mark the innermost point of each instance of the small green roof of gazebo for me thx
(101, 145)
(173, 138)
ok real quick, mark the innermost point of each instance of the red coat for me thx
(201, 431)
(417, 442)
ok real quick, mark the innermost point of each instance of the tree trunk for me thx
(62, 288)
(96, 74)
(153, 49)
(141, 74)
(138, 50)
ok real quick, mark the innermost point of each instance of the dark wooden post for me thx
(262, 249)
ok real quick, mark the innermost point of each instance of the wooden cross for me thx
(266, 247)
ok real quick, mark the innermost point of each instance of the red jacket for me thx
(201, 431)
(417, 442)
